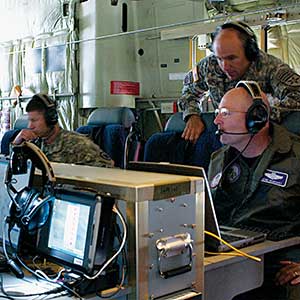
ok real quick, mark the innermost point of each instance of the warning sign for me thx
(124, 88)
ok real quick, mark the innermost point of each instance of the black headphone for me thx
(51, 115)
(258, 113)
(29, 208)
(249, 39)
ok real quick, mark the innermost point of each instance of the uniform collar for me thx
(57, 145)
(281, 139)
(281, 143)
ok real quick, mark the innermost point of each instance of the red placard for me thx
(124, 88)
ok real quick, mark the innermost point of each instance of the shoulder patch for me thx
(275, 178)
(289, 77)
(215, 181)
(188, 79)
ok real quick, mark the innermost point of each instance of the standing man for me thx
(59, 145)
(255, 178)
(235, 57)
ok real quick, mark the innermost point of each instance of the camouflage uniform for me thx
(273, 76)
(72, 147)
(264, 195)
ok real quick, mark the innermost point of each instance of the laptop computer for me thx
(237, 237)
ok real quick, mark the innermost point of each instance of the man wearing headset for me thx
(255, 179)
(59, 145)
(235, 57)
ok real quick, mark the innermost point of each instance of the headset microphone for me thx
(219, 132)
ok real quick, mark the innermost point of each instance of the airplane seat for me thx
(168, 146)
(109, 127)
(9, 136)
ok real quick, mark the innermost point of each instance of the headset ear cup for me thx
(22, 199)
(39, 218)
(28, 200)
(251, 49)
(257, 116)
(51, 116)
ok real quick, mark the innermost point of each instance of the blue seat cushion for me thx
(7, 138)
(110, 138)
(170, 147)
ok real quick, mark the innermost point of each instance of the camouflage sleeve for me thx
(89, 153)
(194, 88)
(285, 83)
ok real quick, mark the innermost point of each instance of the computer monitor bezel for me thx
(97, 234)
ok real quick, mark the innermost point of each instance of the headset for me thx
(258, 113)
(248, 37)
(51, 115)
(29, 208)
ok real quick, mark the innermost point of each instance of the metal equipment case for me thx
(164, 215)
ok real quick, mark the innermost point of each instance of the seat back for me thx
(175, 123)
(109, 129)
(9, 136)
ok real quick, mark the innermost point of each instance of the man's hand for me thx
(24, 135)
(289, 273)
(193, 128)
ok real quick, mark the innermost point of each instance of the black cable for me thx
(124, 266)
(62, 285)
(234, 159)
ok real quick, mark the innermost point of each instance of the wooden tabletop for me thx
(216, 261)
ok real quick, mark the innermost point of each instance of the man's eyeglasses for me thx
(225, 112)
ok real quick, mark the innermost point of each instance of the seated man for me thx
(59, 145)
(255, 178)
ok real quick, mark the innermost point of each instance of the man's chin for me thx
(232, 76)
(223, 140)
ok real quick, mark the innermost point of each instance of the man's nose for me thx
(216, 122)
(217, 119)
(226, 64)
(30, 125)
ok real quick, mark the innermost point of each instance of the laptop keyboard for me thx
(229, 238)
(272, 236)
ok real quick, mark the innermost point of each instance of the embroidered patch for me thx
(188, 79)
(234, 173)
(275, 177)
(215, 181)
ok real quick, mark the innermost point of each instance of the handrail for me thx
(30, 96)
